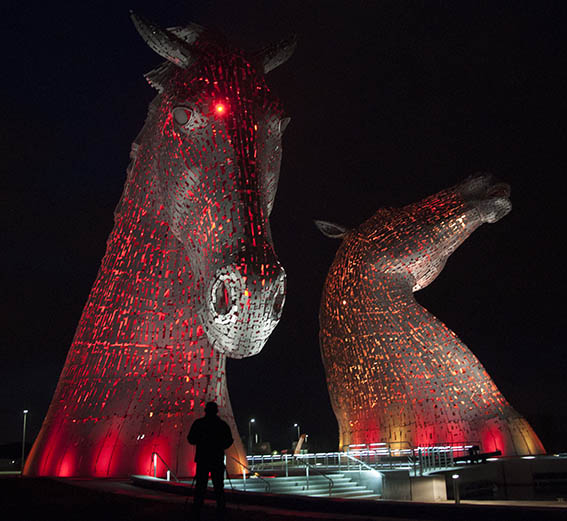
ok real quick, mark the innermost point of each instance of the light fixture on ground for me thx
(456, 488)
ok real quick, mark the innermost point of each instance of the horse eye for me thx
(181, 115)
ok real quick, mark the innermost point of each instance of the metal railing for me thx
(255, 474)
(308, 466)
(374, 456)
(385, 455)
(155, 457)
(360, 463)
(441, 456)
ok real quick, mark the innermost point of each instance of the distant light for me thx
(252, 420)
(455, 476)
(528, 457)
(220, 108)
(295, 425)
(25, 411)
(491, 459)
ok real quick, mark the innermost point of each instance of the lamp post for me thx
(24, 439)
(250, 422)
(296, 425)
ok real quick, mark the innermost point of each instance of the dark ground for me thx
(390, 101)
(45, 499)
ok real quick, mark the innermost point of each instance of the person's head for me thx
(211, 408)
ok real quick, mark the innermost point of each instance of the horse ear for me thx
(331, 230)
(274, 55)
(166, 43)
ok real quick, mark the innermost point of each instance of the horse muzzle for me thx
(244, 305)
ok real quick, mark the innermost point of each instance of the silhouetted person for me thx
(211, 436)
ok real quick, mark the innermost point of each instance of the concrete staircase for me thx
(343, 486)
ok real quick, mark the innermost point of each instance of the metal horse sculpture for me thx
(396, 373)
(190, 275)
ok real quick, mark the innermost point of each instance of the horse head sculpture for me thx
(216, 154)
(190, 275)
(397, 374)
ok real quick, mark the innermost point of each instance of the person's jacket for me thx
(211, 436)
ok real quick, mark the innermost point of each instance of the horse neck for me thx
(143, 294)
(392, 330)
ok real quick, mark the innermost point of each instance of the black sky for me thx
(390, 101)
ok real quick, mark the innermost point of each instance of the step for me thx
(343, 486)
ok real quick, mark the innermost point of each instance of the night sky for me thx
(390, 101)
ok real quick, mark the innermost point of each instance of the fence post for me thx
(307, 474)
(244, 478)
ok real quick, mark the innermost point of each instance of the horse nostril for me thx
(222, 298)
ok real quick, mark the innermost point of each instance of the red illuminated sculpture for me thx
(190, 275)
(396, 373)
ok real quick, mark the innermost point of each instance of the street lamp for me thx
(296, 425)
(24, 439)
(250, 422)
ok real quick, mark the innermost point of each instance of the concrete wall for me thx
(428, 488)
(396, 485)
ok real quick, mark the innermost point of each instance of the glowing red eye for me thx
(220, 108)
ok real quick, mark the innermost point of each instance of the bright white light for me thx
(528, 457)
(455, 476)
(491, 459)
(252, 420)
(25, 411)
(295, 425)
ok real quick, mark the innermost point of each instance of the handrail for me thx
(308, 466)
(375, 455)
(154, 462)
(359, 462)
(384, 443)
(268, 487)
